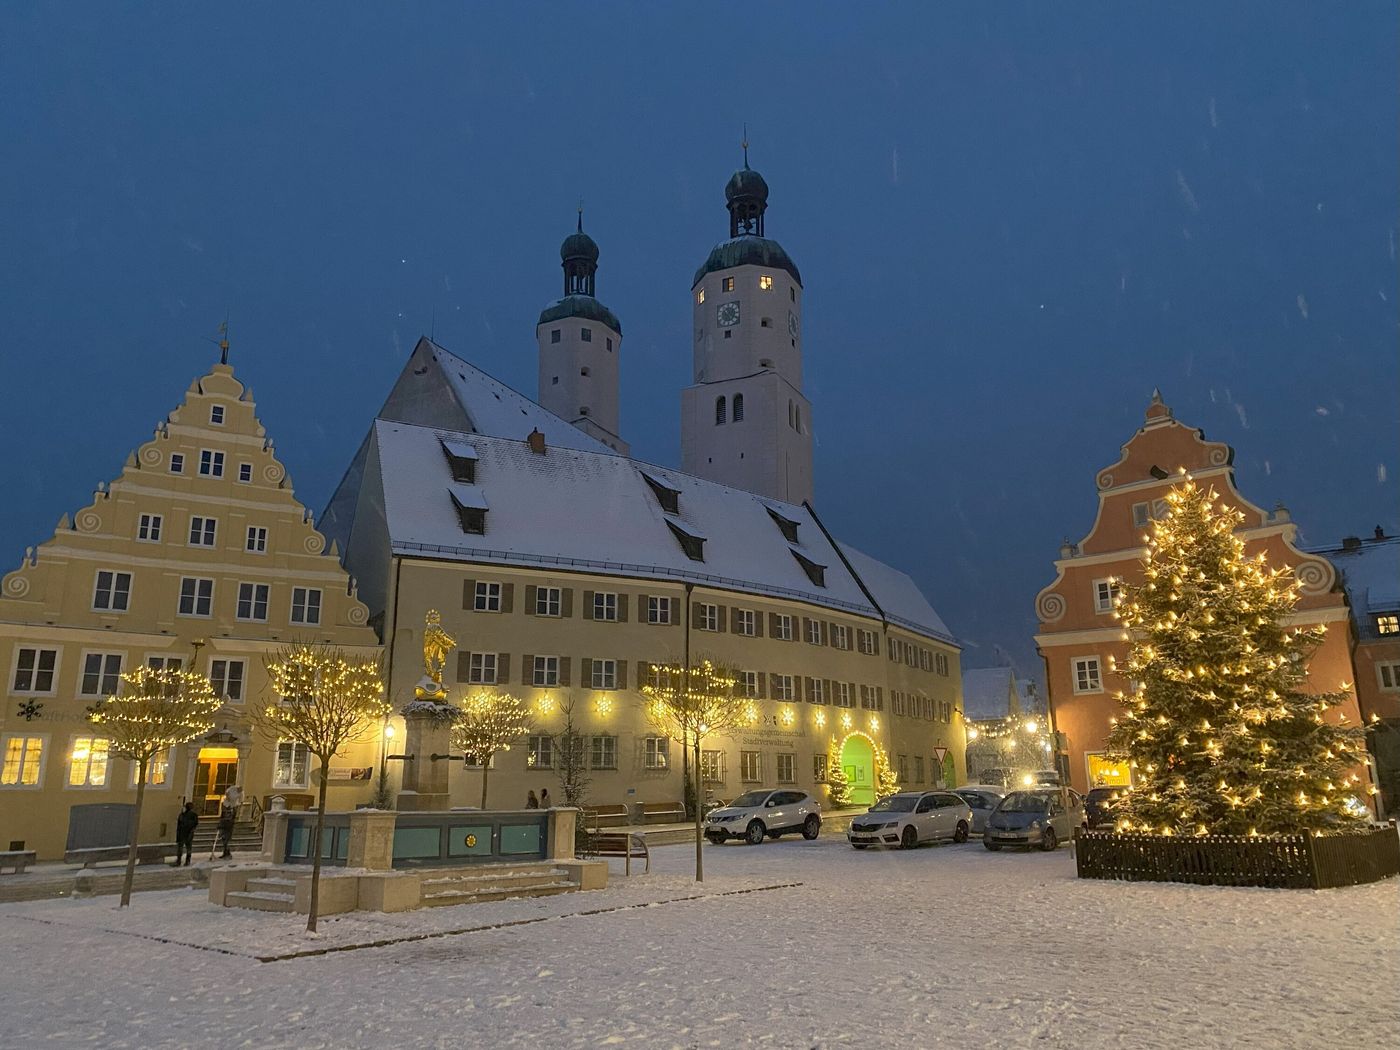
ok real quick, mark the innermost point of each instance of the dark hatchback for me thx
(1098, 806)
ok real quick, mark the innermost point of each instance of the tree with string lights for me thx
(488, 724)
(1218, 730)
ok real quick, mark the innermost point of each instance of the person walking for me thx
(544, 798)
(185, 824)
(228, 815)
(531, 802)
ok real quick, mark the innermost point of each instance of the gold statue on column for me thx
(437, 643)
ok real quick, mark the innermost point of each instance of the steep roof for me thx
(898, 596)
(987, 692)
(1370, 573)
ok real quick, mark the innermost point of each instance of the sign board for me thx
(940, 753)
(350, 773)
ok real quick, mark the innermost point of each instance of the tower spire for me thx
(745, 144)
(580, 215)
(223, 341)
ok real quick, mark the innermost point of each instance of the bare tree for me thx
(570, 746)
(695, 702)
(155, 709)
(490, 723)
(326, 700)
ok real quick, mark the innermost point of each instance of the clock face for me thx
(727, 314)
(792, 324)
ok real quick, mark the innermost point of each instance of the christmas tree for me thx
(837, 785)
(1219, 733)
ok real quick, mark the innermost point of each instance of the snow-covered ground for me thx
(944, 946)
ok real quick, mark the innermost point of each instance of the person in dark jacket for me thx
(184, 833)
(531, 802)
(228, 816)
(544, 799)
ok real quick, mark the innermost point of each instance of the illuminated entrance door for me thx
(858, 763)
(215, 772)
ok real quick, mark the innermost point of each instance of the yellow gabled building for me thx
(199, 553)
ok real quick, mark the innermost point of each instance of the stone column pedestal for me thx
(561, 832)
(274, 843)
(427, 732)
(371, 840)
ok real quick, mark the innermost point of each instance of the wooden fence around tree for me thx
(1275, 861)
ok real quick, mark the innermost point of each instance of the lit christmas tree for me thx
(838, 786)
(1220, 736)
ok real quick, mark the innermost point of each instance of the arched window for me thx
(738, 408)
(719, 411)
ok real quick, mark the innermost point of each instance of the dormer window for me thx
(461, 457)
(471, 508)
(816, 573)
(669, 498)
(694, 546)
(786, 524)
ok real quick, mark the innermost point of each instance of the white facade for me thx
(579, 375)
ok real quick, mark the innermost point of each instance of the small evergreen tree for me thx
(838, 785)
(490, 723)
(1219, 734)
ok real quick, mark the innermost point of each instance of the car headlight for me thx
(889, 824)
(1035, 824)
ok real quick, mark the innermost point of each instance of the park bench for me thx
(613, 815)
(146, 853)
(19, 859)
(661, 812)
(624, 844)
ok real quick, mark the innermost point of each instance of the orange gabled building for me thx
(1079, 638)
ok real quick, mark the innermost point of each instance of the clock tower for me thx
(580, 342)
(744, 420)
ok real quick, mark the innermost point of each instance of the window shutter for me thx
(588, 605)
(622, 608)
(758, 624)
(773, 682)
(464, 663)
(762, 692)
(586, 673)
(468, 596)
(722, 613)
(773, 624)
(563, 670)
(879, 698)
(643, 673)
(874, 644)
(527, 670)
(808, 691)
(826, 633)
(675, 611)
(622, 674)
(734, 622)
(566, 602)
(503, 668)
(529, 599)
(694, 611)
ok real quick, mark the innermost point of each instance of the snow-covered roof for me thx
(1370, 573)
(460, 449)
(468, 496)
(594, 511)
(987, 692)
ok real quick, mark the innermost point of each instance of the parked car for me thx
(1098, 806)
(907, 818)
(1041, 818)
(995, 777)
(983, 798)
(756, 814)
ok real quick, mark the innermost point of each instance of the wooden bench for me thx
(19, 859)
(146, 853)
(615, 815)
(624, 844)
(663, 812)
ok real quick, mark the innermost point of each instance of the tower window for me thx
(738, 407)
(792, 294)
(554, 335)
(609, 344)
(554, 381)
(700, 296)
(765, 281)
(729, 333)
(586, 335)
(728, 284)
(766, 322)
(719, 411)
(583, 410)
(583, 371)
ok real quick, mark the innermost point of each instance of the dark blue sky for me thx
(1012, 222)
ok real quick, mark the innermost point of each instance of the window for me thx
(843, 695)
(177, 463)
(816, 691)
(101, 674)
(602, 752)
(786, 771)
(1144, 513)
(257, 540)
(1086, 675)
(811, 631)
(925, 660)
(668, 497)
(306, 605)
(23, 761)
(707, 617)
(539, 751)
(87, 762)
(252, 601)
(738, 408)
(548, 601)
(545, 672)
(605, 605)
(113, 590)
(196, 596)
(727, 284)
(1105, 594)
(157, 770)
(481, 669)
(202, 531)
(792, 294)
(293, 768)
(216, 415)
(904, 769)
(586, 334)
(712, 767)
(1388, 624)
(694, 546)
(609, 344)
(148, 528)
(918, 769)
(604, 674)
(865, 642)
(819, 768)
(226, 676)
(168, 663)
(748, 682)
(657, 754)
(940, 663)
(699, 296)
(245, 472)
(658, 609)
(35, 671)
(911, 655)
(840, 636)
(815, 572)
(765, 281)
(744, 621)
(784, 688)
(1388, 674)
(782, 627)
(211, 464)
(554, 335)
(488, 597)
(892, 650)
(719, 411)
(751, 766)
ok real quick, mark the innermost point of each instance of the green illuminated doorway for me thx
(858, 762)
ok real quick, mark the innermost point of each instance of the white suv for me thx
(909, 817)
(755, 814)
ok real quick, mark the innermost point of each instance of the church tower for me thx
(744, 421)
(580, 342)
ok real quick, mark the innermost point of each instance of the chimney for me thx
(1351, 543)
(536, 442)
(1380, 533)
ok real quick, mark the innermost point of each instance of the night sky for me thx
(1012, 224)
